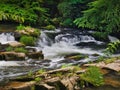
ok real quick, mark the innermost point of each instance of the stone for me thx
(20, 85)
(115, 66)
(44, 87)
(35, 55)
(75, 57)
(12, 56)
(70, 83)
(15, 44)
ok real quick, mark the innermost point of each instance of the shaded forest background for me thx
(99, 15)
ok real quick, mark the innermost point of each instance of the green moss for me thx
(41, 71)
(20, 27)
(50, 27)
(38, 79)
(93, 76)
(9, 48)
(36, 33)
(20, 49)
(17, 49)
(28, 40)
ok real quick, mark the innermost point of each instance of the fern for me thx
(112, 47)
(101, 15)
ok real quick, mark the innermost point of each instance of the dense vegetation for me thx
(99, 15)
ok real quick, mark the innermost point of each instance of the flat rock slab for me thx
(113, 66)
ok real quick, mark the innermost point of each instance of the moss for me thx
(28, 40)
(20, 49)
(77, 57)
(17, 49)
(50, 27)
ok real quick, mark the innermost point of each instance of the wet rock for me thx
(115, 66)
(12, 56)
(112, 82)
(17, 36)
(15, 44)
(31, 49)
(76, 57)
(44, 87)
(20, 85)
(36, 55)
(28, 31)
(70, 83)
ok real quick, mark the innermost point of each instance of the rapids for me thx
(55, 45)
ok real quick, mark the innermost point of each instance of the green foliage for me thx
(9, 48)
(100, 35)
(93, 76)
(101, 15)
(41, 71)
(28, 40)
(38, 79)
(20, 27)
(25, 11)
(20, 49)
(50, 27)
(16, 49)
(112, 47)
(71, 9)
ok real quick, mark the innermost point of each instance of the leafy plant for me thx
(20, 27)
(28, 40)
(112, 47)
(101, 15)
(93, 76)
(25, 11)
(100, 35)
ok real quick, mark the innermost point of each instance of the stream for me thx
(55, 45)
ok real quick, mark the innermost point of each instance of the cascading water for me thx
(55, 45)
(6, 37)
(64, 43)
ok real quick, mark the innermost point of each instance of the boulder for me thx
(115, 66)
(35, 55)
(12, 56)
(75, 57)
(15, 44)
(15, 85)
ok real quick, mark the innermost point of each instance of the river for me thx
(55, 45)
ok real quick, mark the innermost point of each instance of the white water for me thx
(112, 39)
(6, 37)
(64, 45)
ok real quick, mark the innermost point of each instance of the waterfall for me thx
(64, 44)
(6, 37)
(112, 39)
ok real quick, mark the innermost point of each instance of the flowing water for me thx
(55, 45)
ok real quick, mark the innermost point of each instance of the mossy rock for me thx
(76, 57)
(28, 40)
(50, 27)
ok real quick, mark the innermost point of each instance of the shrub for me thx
(112, 47)
(100, 35)
(28, 40)
(50, 27)
(93, 76)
